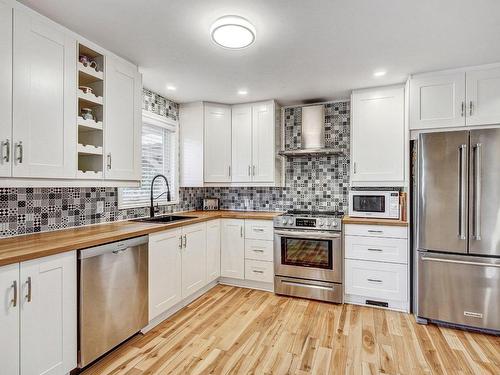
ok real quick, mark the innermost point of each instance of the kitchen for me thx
(176, 199)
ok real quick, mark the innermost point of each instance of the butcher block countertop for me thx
(32, 246)
(373, 221)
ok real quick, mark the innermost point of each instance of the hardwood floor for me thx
(240, 331)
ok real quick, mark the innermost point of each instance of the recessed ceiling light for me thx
(232, 32)
(379, 73)
(242, 92)
(171, 88)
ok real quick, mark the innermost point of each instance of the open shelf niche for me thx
(90, 131)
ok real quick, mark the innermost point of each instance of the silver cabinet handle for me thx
(462, 164)
(185, 241)
(257, 271)
(463, 110)
(109, 160)
(253, 170)
(6, 146)
(470, 108)
(374, 280)
(241, 231)
(477, 154)
(372, 249)
(180, 242)
(229, 170)
(28, 282)
(354, 167)
(19, 147)
(14, 298)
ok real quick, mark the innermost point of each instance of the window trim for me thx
(167, 123)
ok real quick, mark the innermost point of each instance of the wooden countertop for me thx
(32, 246)
(373, 221)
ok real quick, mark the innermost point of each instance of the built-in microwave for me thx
(379, 204)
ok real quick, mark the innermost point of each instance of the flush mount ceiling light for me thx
(232, 32)
(242, 92)
(171, 88)
(379, 73)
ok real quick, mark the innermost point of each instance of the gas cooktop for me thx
(313, 220)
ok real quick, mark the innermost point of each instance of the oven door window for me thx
(368, 203)
(306, 252)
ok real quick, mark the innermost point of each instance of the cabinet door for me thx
(241, 143)
(164, 271)
(483, 97)
(263, 142)
(233, 248)
(123, 122)
(378, 135)
(6, 91)
(49, 315)
(44, 99)
(438, 101)
(194, 258)
(9, 319)
(213, 250)
(217, 150)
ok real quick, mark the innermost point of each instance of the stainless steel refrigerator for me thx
(457, 234)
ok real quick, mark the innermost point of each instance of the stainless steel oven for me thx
(308, 256)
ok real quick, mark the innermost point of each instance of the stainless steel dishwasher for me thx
(113, 300)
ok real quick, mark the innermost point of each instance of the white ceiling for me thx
(305, 49)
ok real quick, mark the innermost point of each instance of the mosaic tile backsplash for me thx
(312, 183)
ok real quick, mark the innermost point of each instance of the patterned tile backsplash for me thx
(313, 183)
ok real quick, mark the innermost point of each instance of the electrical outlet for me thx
(100, 206)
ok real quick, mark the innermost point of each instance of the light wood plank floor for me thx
(240, 331)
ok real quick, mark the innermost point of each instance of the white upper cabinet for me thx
(263, 142)
(213, 250)
(378, 136)
(6, 91)
(48, 315)
(217, 148)
(233, 248)
(437, 101)
(122, 142)
(44, 99)
(483, 96)
(9, 319)
(165, 263)
(241, 143)
(191, 117)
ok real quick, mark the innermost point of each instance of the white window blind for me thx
(159, 156)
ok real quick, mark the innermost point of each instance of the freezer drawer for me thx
(459, 289)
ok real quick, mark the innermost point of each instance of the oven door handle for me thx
(309, 235)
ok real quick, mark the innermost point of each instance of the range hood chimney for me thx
(313, 134)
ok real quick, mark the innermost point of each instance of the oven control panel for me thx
(305, 223)
(321, 223)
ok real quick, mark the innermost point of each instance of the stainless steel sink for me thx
(164, 219)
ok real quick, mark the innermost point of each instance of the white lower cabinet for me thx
(233, 248)
(213, 250)
(9, 319)
(165, 262)
(376, 266)
(194, 258)
(38, 316)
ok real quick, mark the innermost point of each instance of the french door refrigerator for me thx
(458, 228)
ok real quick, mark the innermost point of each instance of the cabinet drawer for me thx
(259, 250)
(259, 229)
(258, 270)
(394, 250)
(376, 280)
(376, 231)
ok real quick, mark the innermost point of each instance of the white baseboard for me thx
(259, 285)
(171, 311)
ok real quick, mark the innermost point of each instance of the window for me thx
(159, 156)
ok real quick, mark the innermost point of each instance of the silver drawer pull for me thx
(257, 271)
(372, 249)
(258, 250)
(258, 230)
(374, 280)
(375, 231)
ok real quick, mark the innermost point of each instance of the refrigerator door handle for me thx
(468, 262)
(477, 154)
(462, 165)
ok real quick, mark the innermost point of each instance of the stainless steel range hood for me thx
(313, 134)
